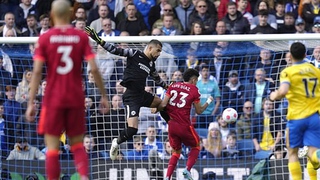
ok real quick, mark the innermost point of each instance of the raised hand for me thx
(93, 34)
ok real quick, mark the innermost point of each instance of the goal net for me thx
(242, 71)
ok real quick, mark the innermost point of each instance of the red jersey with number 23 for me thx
(182, 96)
(63, 50)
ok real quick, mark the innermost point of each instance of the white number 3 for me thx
(65, 51)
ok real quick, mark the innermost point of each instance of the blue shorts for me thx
(304, 132)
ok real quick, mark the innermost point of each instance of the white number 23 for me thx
(174, 95)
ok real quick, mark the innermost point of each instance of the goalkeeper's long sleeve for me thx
(128, 52)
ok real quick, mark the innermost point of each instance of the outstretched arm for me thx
(281, 92)
(108, 46)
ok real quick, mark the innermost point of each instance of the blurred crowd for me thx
(240, 75)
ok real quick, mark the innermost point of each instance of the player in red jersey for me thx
(178, 101)
(63, 48)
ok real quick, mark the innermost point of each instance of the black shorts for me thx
(134, 100)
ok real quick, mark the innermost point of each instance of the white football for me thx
(230, 115)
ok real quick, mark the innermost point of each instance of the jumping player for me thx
(139, 66)
(178, 101)
(301, 86)
(63, 48)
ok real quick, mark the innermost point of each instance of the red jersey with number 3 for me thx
(182, 96)
(63, 50)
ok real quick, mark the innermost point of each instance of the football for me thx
(230, 115)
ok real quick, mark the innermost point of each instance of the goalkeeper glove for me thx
(93, 34)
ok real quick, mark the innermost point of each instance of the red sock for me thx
(53, 164)
(193, 156)
(172, 164)
(80, 159)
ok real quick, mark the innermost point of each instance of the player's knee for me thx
(131, 131)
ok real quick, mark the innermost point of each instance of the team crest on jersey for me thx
(151, 63)
(133, 113)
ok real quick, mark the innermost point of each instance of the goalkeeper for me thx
(139, 66)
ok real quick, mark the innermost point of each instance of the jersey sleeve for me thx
(39, 53)
(284, 77)
(128, 52)
(88, 53)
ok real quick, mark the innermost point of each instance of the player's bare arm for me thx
(281, 92)
(200, 108)
(34, 85)
(99, 82)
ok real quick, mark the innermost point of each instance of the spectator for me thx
(183, 10)
(139, 152)
(168, 28)
(289, 24)
(230, 149)
(132, 24)
(263, 27)
(94, 13)
(315, 57)
(207, 88)
(80, 12)
(214, 141)
(222, 11)
(168, 10)
(280, 14)
(156, 12)
(5, 76)
(202, 14)
(270, 18)
(103, 14)
(89, 146)
(29, 130)
(176, 76)
(221, 28)
(316, 25)
(310, 12)
(260, 89)
(3, 142)
(224, 129)
(91, 89)
(144, 6)
(32, 27)
(12, 113)
(80, 23)
(107, 29)
(21, 13)
(192, 59)
(24, 151)
(292, 6)
(44, 23)
(243, 8)
(9, 24)
(268, 64)
(300, 26)
(235, 22)
(23, 87)
(152, 142)
(202, 49)
(122, 15)
(267, 132)
(233, 92)
(167, 151)
(244, 124)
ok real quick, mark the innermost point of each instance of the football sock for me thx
(295, 170)
(52, 164)
(126, 134)
(312, 173)
(80, 159)
(193, 156)
(172, 164)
